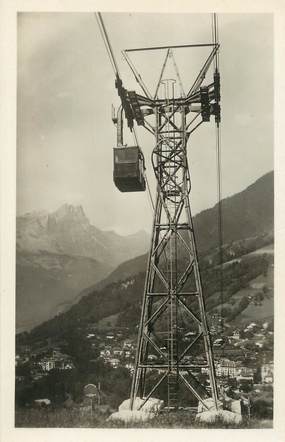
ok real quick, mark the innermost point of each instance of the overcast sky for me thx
(65, 134)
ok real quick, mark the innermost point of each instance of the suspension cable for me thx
(144, 173)
(107, 43)
(150, 197)
(149, 191)
(220, 214)
(171, 54)
(136, 74)
(133, 130)
(215, 36)
(216, 28)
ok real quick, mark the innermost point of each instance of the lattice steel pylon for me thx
(173, 276)
(174, 343)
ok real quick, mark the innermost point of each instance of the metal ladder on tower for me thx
(172, 379)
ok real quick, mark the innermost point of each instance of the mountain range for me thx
(58, 255)
(68, 231)
(248, 220)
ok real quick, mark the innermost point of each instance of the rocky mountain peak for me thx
(68, 218)
(68, 231)
(69, 211)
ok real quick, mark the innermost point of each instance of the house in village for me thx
(267, 373)
(127, 353)
(106, 352)
(57, 361)
(115, 362)
(130, 366)
(128, 345)
(227, 367)
(117, 351)
(152, 358)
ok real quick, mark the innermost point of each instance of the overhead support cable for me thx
(202, 74)
(193, 119)
(107, 43)
(145, 176)
(149, 192)
(137, 75)
(155, 48)
(161, 73)
(177, 73)
(215, 36)
(135, 136)
(220, 213)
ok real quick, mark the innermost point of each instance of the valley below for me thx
(88, 311)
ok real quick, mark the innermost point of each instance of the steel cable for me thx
(107, 43)
(215, 36)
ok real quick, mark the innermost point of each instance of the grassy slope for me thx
(251, 313)
(64, 418)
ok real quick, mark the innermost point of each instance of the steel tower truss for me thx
(174, 343)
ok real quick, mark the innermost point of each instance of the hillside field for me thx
(63, 418)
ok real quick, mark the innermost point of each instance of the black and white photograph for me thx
(144, 220)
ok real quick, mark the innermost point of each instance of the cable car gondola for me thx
(129, 168)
